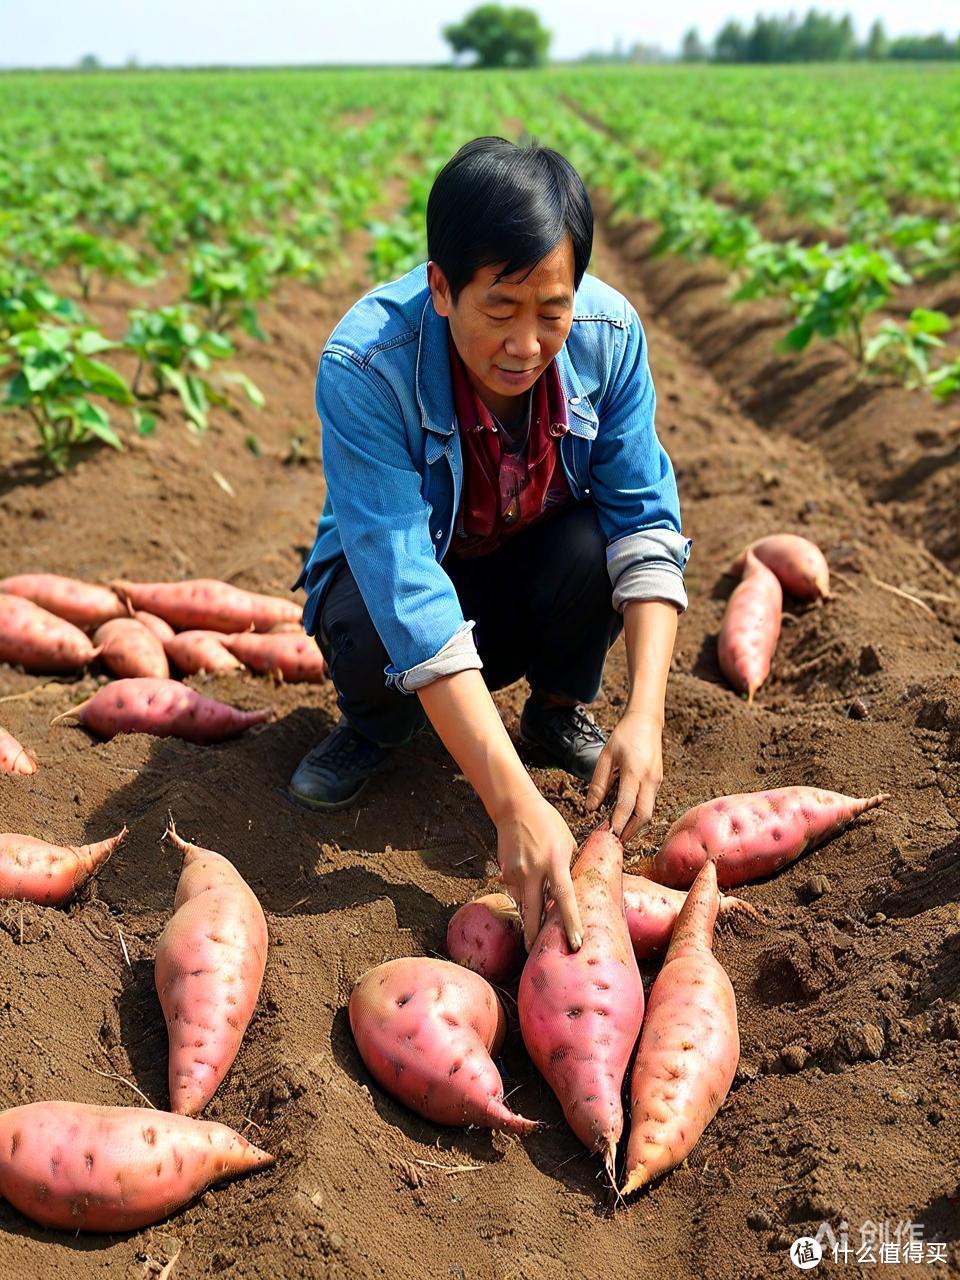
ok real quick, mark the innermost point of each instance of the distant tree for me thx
(89, 62)
(731, 43)
(500, 37)
(877, 45)
(693, 49)
(935, 48)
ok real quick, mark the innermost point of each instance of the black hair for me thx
(497, 202)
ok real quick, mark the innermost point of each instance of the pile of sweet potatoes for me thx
(142, 633)
(429, 1031)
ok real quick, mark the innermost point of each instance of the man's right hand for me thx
(534, 848)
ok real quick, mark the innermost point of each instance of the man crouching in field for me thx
(498, 505)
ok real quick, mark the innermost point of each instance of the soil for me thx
(846, 1102)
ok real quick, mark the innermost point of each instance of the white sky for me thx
(249, 32)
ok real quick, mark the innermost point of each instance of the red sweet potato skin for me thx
(165, 709)
(38, 640)
(88, 1168)
(426, 1030)
(580, 1012)
(689, 1047)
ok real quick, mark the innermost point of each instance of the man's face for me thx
(508, 331)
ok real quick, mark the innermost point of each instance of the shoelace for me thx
(585, 728)
(345, 747)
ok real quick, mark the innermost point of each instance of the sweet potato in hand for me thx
(580, 1011)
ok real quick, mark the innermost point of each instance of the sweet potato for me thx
(86, 1168)
(799, 564)
(39, 640)
(32, 870)
(292, 655)
(162, 630)
(83, 603)
(652, 911)
(196, 651)
(750, 627)
(689, 1046)
(208, 971)
(163, 708)
(205, 604)
(751, 835)
(14, 758)
(427, 1031)
(486, 935)
(128, 648)
(580, 1011)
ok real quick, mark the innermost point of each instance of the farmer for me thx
(498, 505)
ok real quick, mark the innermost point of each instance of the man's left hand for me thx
(634, 750)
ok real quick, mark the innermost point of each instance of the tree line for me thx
(818, 37)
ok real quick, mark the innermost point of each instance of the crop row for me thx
(223, 186)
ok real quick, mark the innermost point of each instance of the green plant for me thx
(904, 350)
(177, 352)
(945, 381)
(59, 384)
(834, 303)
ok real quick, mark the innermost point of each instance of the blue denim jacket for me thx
(394, 470)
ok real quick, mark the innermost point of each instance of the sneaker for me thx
(569, 735)
(334, 773)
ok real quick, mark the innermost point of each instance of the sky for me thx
(252, 32)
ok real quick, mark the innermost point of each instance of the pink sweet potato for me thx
(14, 758)
(86, 1168)
(689, 1047)
(652, 911)
(162, 630)
(580, 1011)
(292, 655)
(799, 564)
(163, 708)
(208, 605)
(32, 870)
(39, 640)
(128, 648)
(208, 971)
(486, 935)
(427, 1031)
(751, 835)
(750, 627)
(83, 603)
(196, 651)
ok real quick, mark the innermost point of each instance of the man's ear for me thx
(439, 289)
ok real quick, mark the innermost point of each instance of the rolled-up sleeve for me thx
(634, 488)
(384, 525)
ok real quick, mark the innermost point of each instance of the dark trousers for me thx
(542, 608)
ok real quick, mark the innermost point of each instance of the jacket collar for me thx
(435, 390)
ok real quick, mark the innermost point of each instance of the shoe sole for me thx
(328, 806)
